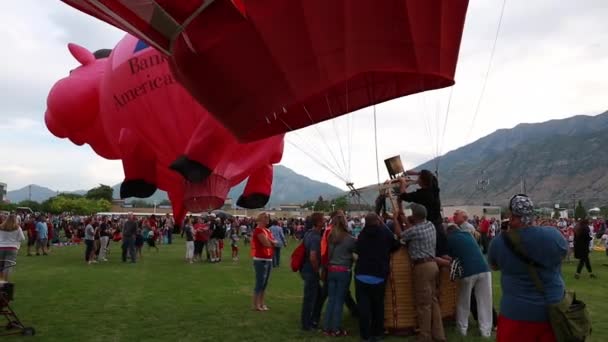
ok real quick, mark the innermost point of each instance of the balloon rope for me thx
(322, 136)
(485, 80)
(337, 131)
(376, 146)
(445, 125)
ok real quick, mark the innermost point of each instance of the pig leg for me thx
(139, 165)
(204, 151)
(258, 189)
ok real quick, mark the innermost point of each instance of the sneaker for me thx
(104, 259)
(592, 276)
(577, 276)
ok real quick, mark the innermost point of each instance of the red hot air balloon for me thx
(280, 65)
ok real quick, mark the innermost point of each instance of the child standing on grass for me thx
(234, 243)
(152, 240)
(188, 231)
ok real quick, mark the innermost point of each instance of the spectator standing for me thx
(11, 237)
(189, 235)
(262, 242)
(582, 238)
(309, 317)
(129, 231)
(89, 240)
(279, 236)
(41, 235)
(523, 309)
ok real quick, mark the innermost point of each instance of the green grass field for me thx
(162, 298)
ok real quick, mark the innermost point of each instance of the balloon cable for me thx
(376, 146)
(485, 80)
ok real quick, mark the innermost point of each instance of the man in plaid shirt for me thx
(421, 239)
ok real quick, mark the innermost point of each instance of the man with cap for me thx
(523, 309)
(420, 239)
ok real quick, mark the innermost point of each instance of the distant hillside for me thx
(288, 187)
(38, 193)
(556, 159)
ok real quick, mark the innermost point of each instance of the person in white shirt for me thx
(11, 236)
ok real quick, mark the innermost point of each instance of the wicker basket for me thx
(399, 308)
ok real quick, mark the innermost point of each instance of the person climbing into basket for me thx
(428, 196)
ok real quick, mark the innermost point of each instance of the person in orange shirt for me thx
(262, 245)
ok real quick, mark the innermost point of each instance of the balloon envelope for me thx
(290, 64)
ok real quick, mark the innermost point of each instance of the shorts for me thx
(262, 274)
(41, 242)
(220, 244)
(31, 241)
(7, 259)
(235, 248)
(213, 245)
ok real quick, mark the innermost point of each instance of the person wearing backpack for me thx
(310, 274)
(524, 314)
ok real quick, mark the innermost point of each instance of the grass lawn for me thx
(163, 299)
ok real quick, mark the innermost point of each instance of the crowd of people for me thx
(337, 249)
(334, 254)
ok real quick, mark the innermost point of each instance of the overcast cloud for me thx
(551, 62)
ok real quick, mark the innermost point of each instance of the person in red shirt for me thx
(484, 230)
(201, 236)
(263, 247)
(30, 228)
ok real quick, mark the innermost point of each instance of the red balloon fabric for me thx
(290, 64)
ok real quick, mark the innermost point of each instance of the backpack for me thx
(297, 257)
(456, 269)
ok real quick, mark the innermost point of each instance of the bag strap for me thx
(513, 241)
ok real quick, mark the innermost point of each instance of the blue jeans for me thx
(128, 247)
(262, 274)
(337, 284)
(276, 257)
(312, 291)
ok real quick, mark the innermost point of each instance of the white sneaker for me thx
(104, 259)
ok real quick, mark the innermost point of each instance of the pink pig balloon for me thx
(139, 93)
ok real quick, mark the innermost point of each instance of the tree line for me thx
(95, 200)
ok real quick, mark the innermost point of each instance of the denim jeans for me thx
(337, 283)
(262, 274)
(312, 289)
(370, 299)
(276, 257)
(128, 247)
(90, 244)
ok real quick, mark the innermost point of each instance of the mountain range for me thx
(288, 187)
(557, 161)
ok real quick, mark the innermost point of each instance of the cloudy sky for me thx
(551, 62)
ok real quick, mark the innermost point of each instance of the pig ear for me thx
(81, 54)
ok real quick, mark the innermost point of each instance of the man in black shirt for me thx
(129, 230)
